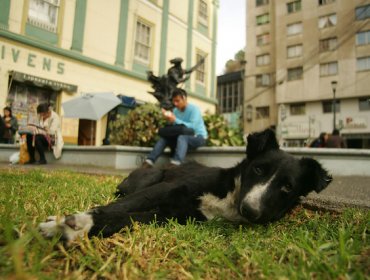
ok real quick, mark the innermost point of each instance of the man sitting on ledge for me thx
(186, 130)
(46, 134)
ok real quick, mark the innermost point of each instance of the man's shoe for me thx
(42, 161)
(172, 166)
(146, 165)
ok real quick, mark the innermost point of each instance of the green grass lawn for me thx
(303, 245)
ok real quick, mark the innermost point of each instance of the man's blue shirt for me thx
(192, 118)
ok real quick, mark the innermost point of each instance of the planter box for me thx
(343, 162)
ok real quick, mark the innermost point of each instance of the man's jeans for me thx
(183, 143)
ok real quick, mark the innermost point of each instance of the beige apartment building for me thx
(296, 51)
(55, 50)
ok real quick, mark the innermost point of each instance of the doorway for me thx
(86, 132)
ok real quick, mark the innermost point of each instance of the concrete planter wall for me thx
(344, 162)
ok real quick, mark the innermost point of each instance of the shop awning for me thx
(42, 82)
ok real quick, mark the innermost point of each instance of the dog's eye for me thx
(287, 188)
(257, 170)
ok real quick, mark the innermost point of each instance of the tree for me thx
(237, 63)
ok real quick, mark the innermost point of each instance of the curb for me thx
(333, 204)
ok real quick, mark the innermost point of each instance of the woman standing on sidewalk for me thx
(11, 126)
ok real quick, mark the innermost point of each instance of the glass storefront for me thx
(24, 98)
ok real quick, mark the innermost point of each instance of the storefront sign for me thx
(32, 60)
(296, 130)
(38, 81)
(355, 122)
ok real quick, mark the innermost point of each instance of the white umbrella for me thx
(90, 106)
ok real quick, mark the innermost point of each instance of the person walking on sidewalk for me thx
(185, 118)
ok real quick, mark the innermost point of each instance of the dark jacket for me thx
(335, 141)
(9, 133)
(2, 128)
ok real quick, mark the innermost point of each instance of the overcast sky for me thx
(231, 31)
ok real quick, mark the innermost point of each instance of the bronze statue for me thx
(163, 86)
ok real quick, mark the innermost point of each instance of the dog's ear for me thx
(261, 142)
(314, 176)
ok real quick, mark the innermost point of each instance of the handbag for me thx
(24, 156)
(172, 131)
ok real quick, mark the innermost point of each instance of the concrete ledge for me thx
(344, 162)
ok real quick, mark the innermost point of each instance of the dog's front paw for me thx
(70, 227)
(51, 227)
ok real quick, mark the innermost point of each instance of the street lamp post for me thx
(334, 88)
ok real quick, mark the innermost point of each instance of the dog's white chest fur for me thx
(212, 207)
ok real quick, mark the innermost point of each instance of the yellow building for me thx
(55, 50)
(295, 50)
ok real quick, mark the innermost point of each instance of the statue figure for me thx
(164, 86)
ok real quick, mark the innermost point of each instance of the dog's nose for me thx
(250, 213)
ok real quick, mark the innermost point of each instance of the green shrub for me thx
(140, 128)
(220, 134)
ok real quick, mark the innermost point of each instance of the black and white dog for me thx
(260, 189)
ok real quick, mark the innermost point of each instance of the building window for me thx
(142, 42)
(364, 104)
(327, 21)
(200, 74)
(263, 80)
(325, 2)
(263, 39)
(262, 112)
(327, 106)
(293, 7)
(261, 2)
(263, 59)
(363, 12)
(234, 97)
(297, 109)
(363, 38)
(203, 12)
(329, 44)
(328, 69)
(363, 63)
(262, 19)
(295, 73)
(224, 99)
(294, 51)
(44, 14)
(294, 28)
(231, 97)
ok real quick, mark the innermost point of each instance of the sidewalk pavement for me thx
(344, 191)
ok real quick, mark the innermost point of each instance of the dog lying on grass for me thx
(262, 188)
